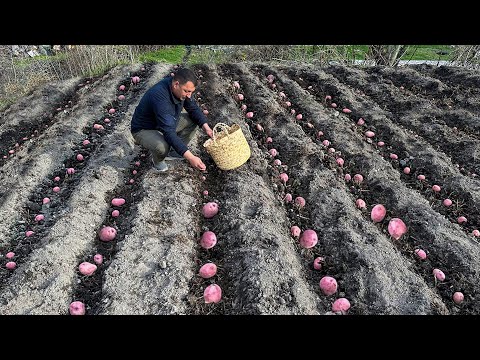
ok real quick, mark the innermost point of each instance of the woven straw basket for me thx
(228, 147)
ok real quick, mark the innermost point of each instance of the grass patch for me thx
(171, 55)
(428, 52)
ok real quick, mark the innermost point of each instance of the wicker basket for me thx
(228, 147)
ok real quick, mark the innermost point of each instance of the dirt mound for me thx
(426, 117)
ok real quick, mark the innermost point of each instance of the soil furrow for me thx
(416, 115)
(455, 103)
(331, 203)
(449, 248)
(45, 283)
(54, 153)
(412, 151)
(31, 115)
(251, 227)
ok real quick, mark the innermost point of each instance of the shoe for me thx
(161, 166)
(173, 155)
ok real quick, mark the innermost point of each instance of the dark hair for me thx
(185, 75)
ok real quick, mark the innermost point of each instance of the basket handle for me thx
(220, 125)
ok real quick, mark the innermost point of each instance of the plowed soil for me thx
(427, 116)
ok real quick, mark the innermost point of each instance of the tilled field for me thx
(428, 117)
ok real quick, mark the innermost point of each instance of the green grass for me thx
(427, 52)
(171, 55)
(414, 52)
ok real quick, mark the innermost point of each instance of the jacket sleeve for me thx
(166, 122)
(194, 111)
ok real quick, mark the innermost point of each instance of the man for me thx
(159, 124)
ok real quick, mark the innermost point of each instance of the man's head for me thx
(183, 83)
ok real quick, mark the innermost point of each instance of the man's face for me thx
(183, 91)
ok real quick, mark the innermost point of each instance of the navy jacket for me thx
(159, 109)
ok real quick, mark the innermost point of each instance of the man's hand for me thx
(207, 130)
(194, 161)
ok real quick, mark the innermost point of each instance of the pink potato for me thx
(360, 122)
(115, 213)
(458, 297)
(476, 233)
(393, 156)
(326, 143)
(396, 228)
(333, 105)
(77, 308)
(273, 152)
(369, 134)
(87, 268)
(331, 151)
(205, 192)
(121, 97)
(118, 201)
(406, 170)
(282, 94)
(249, 115)
(299, 117)
(98, 259)
(381, 143)
(10, 255)
(56, 178)
(421, 177)
(339, 161)
(45, 200)
(439, 275)
(107, 233)
(121, 87)
(208, 270)
(300, 201)
(348, 177)
(378, 213)
(70, 171)
(308, 239)
(328, 285)
(134, 172)
(277, 162)
(360, 203)
(317, 263)
(320, 133)
(347, 111)
(295, 231)
(29, 233)
(341, 305)
(56, 189)
(243, 107)
(269, 140)
(208, 240)
(436, 188)
(212, 294)
(236, 85)
(283, 177)
(205, 112)
(447, 202)
(39, 217)
(210, 209)
(328, 97)
(288, 198)
(259, 127)
(421, 254)
(11, 265)
(358, 178)
(240, 97)
(462, 219)
(111, 111)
